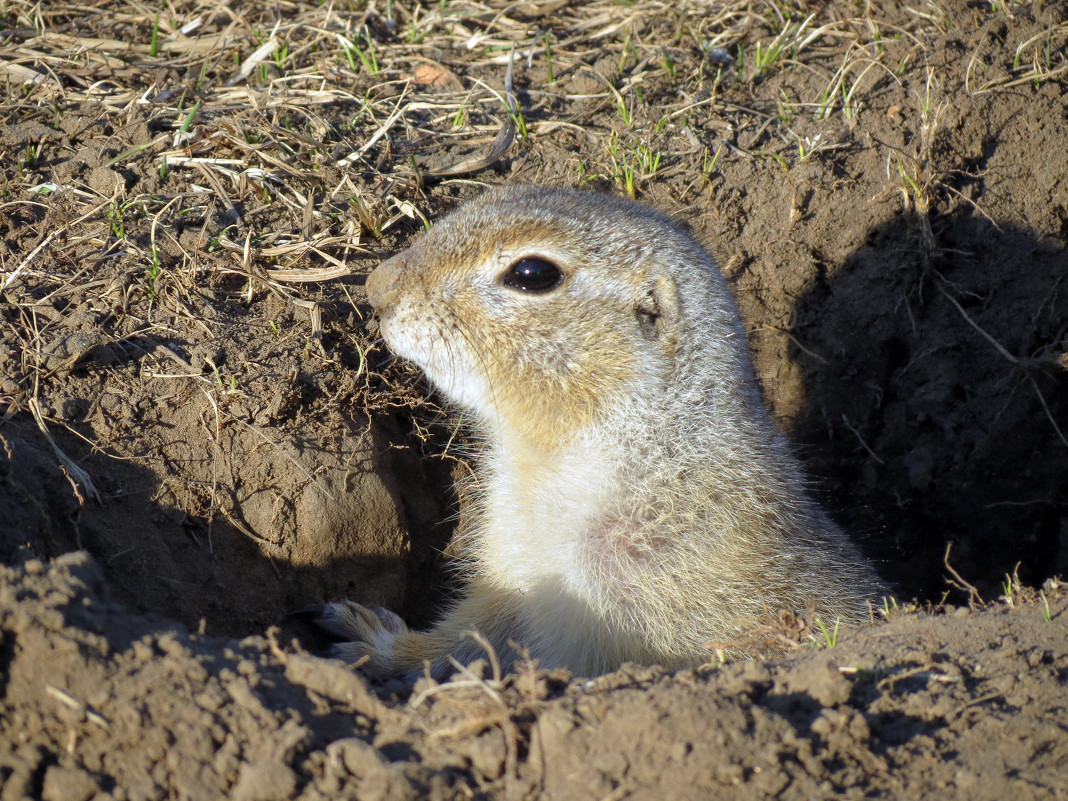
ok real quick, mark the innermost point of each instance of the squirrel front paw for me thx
(364, 632)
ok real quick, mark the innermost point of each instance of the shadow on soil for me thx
(924, 430)
(213, 575)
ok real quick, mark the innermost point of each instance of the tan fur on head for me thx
(531, 368)
(635, 501)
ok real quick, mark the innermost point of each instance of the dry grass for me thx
(295, 136)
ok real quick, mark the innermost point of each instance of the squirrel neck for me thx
(619, 483)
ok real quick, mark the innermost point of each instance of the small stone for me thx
(265, 781)
(68, 784)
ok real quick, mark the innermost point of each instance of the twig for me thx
(73, 472)
(974, 599)
(860, 439)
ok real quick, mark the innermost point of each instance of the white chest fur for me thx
(539, 514)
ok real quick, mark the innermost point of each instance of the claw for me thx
(312, 612)
(391, 621)
(365, 633)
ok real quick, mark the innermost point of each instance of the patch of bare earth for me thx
(192, 393)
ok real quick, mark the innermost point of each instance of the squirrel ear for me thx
(658, 308)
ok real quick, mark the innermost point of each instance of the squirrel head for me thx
(538, 311)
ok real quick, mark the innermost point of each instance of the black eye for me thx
(532, 275)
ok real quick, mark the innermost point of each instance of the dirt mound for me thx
(962, 705)
(192, 392)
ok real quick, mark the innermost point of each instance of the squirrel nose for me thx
(382, 282)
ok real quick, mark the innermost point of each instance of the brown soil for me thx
(192, 394)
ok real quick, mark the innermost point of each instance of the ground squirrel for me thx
(634, 500)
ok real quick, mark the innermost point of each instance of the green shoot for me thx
(131, 151)
(765, 58)
(281, 53)
(830, 636)
(367, 56)
(621, 170)
(873, 675)
(709, 160)
(916, 193)
(628, 49)
(203, 73)
(190, 117)
(776, 156)
(520, 124)
(152, 274)
(790, 38)
(215, 372)
(669, 65)
(153, 47)
(849, 110)
(648, 160)
(118, 228)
